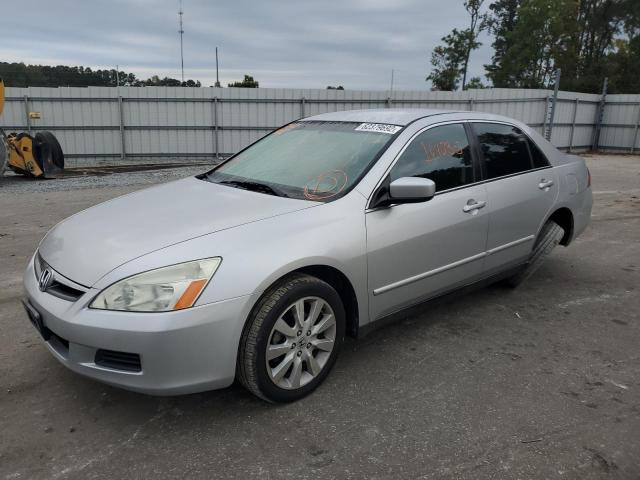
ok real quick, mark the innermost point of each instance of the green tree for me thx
(450, 61)
(587, 39)
(476, 83)
(247, 82)
(623, 66)
(541, 37)
(502, 21)
(623, 63)
(446, 61)
(598, 24)
(21, 75)
(477, 23)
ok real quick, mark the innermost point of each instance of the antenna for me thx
(217, 78)
(181, 32)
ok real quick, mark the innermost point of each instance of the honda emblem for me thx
(46, 278)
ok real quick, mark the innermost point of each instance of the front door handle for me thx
(472, 206)
(545, 184)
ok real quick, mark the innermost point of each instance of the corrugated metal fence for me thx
(131, 124)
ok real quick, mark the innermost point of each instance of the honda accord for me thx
(257, 269)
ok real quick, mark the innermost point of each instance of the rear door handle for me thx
(544, 184)
(473, 205)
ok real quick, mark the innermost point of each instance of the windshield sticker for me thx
(326, 185)
(441, 149)
(378, 127)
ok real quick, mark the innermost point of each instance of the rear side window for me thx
(441, 154)
(504, 148)
(539, 159)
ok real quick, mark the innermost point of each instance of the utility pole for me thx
(181, 32)
(217, 78)
(599, 116)
(391, 86)
(554, 102)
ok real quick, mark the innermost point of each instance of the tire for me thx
(4, 156)
(549, 237)
(292, 374)
(48, 153)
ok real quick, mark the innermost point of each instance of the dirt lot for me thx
(540, 382)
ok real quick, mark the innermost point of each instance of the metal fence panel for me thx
(620, 121)
(112, 125)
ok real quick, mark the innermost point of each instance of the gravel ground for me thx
(539, 382)
(81, 179)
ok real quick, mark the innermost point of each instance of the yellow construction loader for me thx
(39, 156)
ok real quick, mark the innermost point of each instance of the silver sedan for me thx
(326, 227)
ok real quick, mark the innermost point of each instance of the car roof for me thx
(395, 116)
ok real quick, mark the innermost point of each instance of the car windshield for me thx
(317, 161)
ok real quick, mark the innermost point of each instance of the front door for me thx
(416, 251)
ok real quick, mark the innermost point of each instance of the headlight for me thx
(161, 290)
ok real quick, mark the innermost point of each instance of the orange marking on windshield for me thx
(326, 185)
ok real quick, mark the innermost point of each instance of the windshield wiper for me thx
(255, 187)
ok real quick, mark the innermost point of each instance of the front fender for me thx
(257, 254)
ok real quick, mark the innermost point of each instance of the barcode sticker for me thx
(378, 127)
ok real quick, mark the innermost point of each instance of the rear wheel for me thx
(292, 339)
(549, 237)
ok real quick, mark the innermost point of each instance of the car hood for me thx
(89, 244)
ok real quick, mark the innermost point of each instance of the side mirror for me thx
(411, 190)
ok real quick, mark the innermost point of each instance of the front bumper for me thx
(180, 352)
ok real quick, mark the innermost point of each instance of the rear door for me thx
(521, 189)
(418, 250)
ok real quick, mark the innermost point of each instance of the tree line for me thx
(587, 39)
(21, 75)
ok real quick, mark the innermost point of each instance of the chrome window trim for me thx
(487, 180)
(369, 209)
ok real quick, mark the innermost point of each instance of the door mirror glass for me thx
(412, 190)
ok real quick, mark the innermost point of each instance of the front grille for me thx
(59, 287)
(64, 292)
(128, 362)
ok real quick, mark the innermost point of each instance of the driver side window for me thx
(441, 154)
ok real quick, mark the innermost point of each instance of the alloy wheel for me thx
(300, 342)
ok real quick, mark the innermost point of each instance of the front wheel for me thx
(292, 339)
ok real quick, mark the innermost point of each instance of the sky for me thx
(281, 43)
